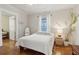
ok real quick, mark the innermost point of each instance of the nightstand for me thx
(66, 43)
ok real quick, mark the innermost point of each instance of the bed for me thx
(41, 42)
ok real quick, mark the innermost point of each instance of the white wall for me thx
(76, 33)
(33, 23)
(5, 23)
(22, 24)
(60, 18)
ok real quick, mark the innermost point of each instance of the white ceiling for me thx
(39, 8)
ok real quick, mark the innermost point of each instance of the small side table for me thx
(59, 41)
(66, 43)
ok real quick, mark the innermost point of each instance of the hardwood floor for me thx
(63, 50)
(9, 48)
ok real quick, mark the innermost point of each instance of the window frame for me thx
(40, 23)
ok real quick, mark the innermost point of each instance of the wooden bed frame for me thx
(22, 49)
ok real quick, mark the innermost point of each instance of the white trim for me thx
(0, 29)
(47, 23)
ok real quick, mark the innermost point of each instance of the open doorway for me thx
(8, 28)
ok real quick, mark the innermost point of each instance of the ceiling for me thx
(39, 8)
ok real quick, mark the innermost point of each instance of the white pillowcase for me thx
(43, 33)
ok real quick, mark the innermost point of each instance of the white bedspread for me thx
(41, 43)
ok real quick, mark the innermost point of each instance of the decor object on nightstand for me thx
(66, 42)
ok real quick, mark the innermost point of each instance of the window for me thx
(43, 24)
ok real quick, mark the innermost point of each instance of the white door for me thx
(12, 25)
(0, 30)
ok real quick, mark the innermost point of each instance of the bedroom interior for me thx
(41, 29)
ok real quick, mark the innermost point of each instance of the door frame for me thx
(12, 13)
(9, 27)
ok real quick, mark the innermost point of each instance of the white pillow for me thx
(43, 33)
